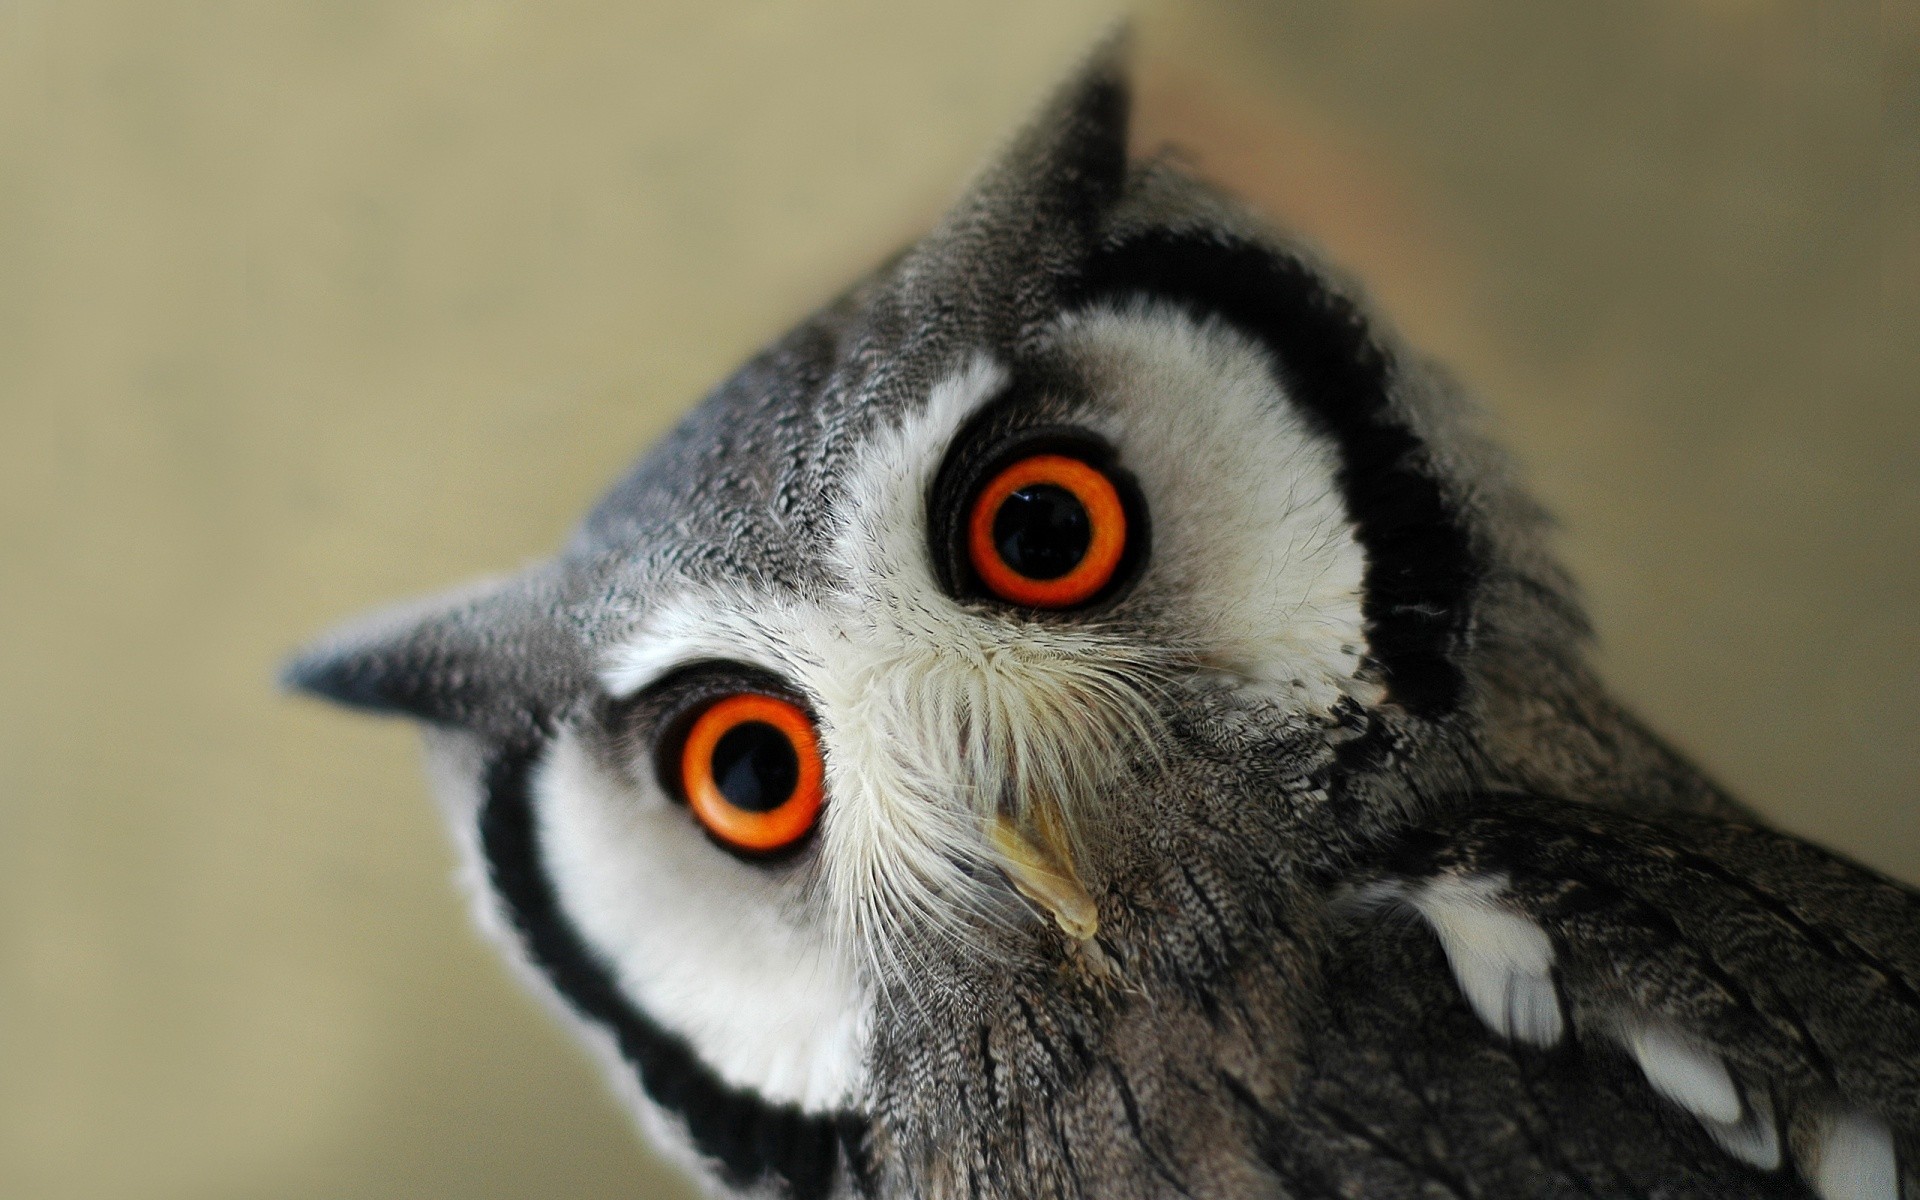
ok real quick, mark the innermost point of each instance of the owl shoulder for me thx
(1767, 989)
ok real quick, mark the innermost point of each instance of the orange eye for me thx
(1047, 532)
(751, 772)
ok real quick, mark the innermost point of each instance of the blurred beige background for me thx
(306, 306)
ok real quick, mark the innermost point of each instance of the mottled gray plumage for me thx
(1392, 899)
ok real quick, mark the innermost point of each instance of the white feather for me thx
(1683, 1071)
(1502, 961)
(1855, 1159)
(1755, 1138)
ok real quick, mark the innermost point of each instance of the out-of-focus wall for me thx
(309, 305)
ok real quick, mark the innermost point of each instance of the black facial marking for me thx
(755, 766)
(1421, 564)
(1042, 531)
(751, 1141)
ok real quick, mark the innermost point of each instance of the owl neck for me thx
(1041, 1078)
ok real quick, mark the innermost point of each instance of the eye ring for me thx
(754, 739)
(1099, 504)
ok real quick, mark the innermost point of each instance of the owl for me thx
(1089, 714)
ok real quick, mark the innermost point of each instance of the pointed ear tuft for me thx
(1069, 161)
(992, 270)
(1078, 141)
(492, 659)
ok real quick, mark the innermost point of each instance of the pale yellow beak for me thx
(1041, 868)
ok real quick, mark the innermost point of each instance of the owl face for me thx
(941, 714)
(988, 662)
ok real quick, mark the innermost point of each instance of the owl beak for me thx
(1041, 869)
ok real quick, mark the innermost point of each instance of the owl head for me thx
(976, 689)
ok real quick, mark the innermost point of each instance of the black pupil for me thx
(1042, 531)
(755, 766)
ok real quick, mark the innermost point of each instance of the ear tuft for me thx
(1069, 162)
(1079, 139)
(344, 676)
(490, 658)
(993, 269)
